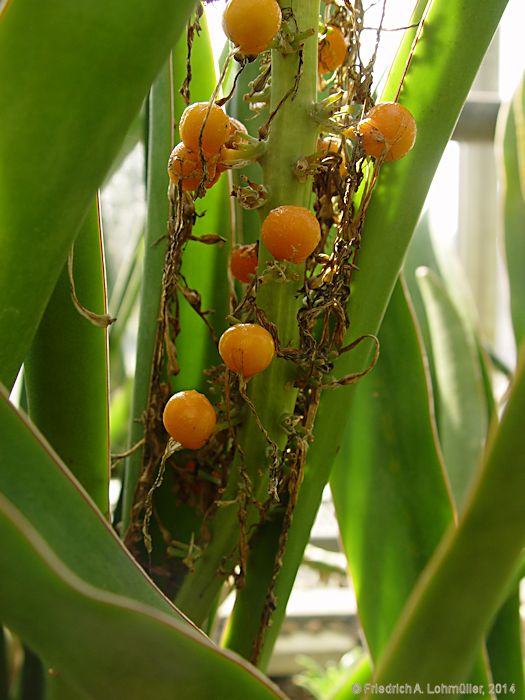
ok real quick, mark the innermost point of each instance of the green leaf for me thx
(470, 574)
(134, 135)
(160, 141)
(510, 142)
(66, 370)
(388, 482)
(504, 647)
(32, 677)
(4, 664)
(38, 484)
(141, 653)
(123, 303)
(59, 689)
(358, 675)
(460, 387)
(68, 94)
(421, 253)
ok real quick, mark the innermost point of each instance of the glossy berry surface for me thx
(246, 349)
(389, 131)
(251, 24)
(291, 233)
(332, 51)
(189, 418)
(216, 127)
(243, 262)
(186, 166)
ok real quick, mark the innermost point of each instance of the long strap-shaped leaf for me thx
(466, 581)
(39, 485)
(73, 77)
(388, 485)
(104, 645)
(66, 369)
(510, 142)
(462, 404)
(504, 647)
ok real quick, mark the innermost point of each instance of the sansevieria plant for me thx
(277, 350)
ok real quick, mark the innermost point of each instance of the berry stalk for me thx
(292, 134)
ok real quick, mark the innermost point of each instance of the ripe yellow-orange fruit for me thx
(251, 24)
(332, 50)
(246, 349)
(389, 131)
(243, 262)
(215, 132)
(189, 418)
(186, 166)
(291, 233)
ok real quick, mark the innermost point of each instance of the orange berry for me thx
(291, 233)
(389, 131)
(251, 24)
(186, 165)
(243, 262)
(215, 132)
(246, 349)
(332, 50)
(189, 418)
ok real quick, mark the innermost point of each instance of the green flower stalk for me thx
(293, 94)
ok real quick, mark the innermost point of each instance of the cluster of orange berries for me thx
(189, 417)
(208, 137)
(290, 233)
(388, 131)
(209, 143)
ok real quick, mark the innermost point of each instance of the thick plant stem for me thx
(292, 134)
